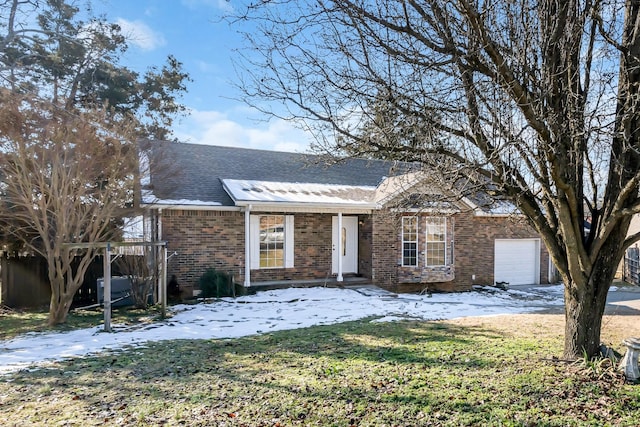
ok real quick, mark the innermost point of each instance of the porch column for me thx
(247, 249)
(163, 282)
(156, 258)
(106, 294)
(339, 278)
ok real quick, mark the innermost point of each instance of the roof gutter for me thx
(288, 206)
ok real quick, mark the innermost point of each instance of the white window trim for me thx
(427, 241)
(415, 219)
(288, 241)
(254, 232)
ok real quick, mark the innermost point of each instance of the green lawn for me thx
(353, 374)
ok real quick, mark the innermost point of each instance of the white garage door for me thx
(517, 261)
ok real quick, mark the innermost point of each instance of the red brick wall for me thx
(205, 239)
(475, 246)
(472, 239)
(365, 245)
(312, 253)
(385, 249)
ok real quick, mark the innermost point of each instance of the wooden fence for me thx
(631, 266)
(25, 282)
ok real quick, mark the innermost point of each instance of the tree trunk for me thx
(583, 320)
(64, 285)
(59, 308)
(585, 304)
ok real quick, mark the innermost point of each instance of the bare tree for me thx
(535, 100)
(139, 267)
(66, 178)
(55, 51)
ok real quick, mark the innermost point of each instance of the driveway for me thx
(622, 300)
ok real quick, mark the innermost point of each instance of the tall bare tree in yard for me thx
(534, 101)
(66, 178)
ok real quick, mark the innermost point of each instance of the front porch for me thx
(331, 282)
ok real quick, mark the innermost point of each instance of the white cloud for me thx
(216, 128)
(140, 34)
(207, 67)
(224, 5)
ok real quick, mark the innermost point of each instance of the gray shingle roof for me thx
(194, 172)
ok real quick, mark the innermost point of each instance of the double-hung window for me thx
(409, 241)
(271, 241)
(436, 241)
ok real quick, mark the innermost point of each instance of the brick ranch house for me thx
(286, 219)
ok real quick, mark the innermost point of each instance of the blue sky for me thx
(193, 32)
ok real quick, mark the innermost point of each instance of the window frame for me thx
(405, 241)
(441, 223)
(255, 241)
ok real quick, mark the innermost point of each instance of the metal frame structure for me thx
(162, 276)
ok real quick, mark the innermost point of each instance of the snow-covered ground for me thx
(271, 311)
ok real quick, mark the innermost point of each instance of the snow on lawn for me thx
(272, 311)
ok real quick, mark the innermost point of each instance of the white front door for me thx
(345, 245)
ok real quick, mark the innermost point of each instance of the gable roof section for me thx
(213, 177)
(194, 175)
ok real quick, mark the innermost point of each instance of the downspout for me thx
(247, 249)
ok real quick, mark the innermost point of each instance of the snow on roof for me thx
(502, 207)
(297, 192)
(149, 198)
(487, 206)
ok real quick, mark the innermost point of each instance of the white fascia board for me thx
(309, 207)
(149, 200)
(426, 211)
(469, 203)
(499, 215)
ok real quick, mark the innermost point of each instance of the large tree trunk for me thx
(64, 285)
(585, 302)
(59, 308)
(583, 320)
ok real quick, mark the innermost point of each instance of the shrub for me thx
(215, 284)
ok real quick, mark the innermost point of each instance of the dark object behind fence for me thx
(25, 282)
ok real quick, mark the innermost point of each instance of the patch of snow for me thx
(150, 199)
(271, 311)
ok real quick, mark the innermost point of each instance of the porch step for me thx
(348, 282)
